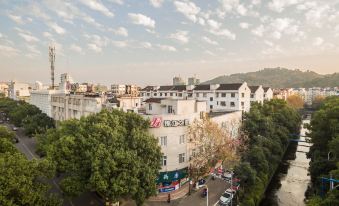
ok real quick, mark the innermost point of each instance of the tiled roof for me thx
(266, 88)
(202, 87)
(153, 100)
(254, 88)
(165, 88)
(148, 88)
(179, 88)
(235, 86)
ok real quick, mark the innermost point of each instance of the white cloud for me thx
(75, 48)
(34, 52)
(208, 40)
(141, 19)
(318, 15)
(259, 31)
(181, 36)
(58, 29)
(280, 5)
(16, 19)
(228, 5)
(167, 48)
(120, 2)
(225, 33)
(156, 3)
(146, 45)
(120, 44)
(121, 31)
(318, 41)
(47, 35)
(213, 24)
(8, 51)
(28, 37)
(97, 6)
(1, 35)
(187, 8)
(241, 9)
(244, 25)
(201, 21)
(94, 48)
(209, 52)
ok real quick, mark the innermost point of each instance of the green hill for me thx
(280, 78)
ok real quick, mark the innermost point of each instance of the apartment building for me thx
(257, 94)
(125, 103)
(169, 119)
(268, 93)
(19, 91)
(228, 97)
(178, 81)
(42, 100)
(4, 88)
(69, 106)
(122, 89)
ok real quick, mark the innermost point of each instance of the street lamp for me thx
(331, 182)
(206, 195)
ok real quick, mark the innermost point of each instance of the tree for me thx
(6, 134)
(209, 143)
(109, 152)
(295, 101)
(317, 101)
(23, 182)
(37, 124)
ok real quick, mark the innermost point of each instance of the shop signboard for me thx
(176, 123)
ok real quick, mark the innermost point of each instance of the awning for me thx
(172, 175)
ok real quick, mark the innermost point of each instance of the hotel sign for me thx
(176, 123)
(155, 122)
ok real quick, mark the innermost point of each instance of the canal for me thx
(290, 182)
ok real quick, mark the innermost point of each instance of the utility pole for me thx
(51, 52)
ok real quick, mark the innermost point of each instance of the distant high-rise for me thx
(178, 81)
(51, 52)
(193, 81)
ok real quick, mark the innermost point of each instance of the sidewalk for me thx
(174, 194)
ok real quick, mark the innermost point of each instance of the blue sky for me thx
(150, 41)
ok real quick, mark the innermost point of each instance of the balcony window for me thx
(181, 157)
(232, 104)
(149, 106)
(204, 94)
(164, 160)
(170, 109)
(233, 94)
(223, 94)
(223, 103)
(163, 141)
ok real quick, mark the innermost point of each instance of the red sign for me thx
(156, 122)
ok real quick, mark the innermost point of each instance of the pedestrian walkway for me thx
(181, 192)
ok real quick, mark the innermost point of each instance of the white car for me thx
(225, 198)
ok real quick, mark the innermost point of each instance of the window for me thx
(242, 104)
(171, 94)
(252, 95)
(223, 103)
(211, 106)
(160, 94)
(181, 157)
(165, 94)
(217, 103)
(232, 94)
(182, 139)
(164, 160)
(155, 94)
(193, 152)
(223, 94)
(163, 141)
(232, 104)
(217, 94)
(211, 98)
(180, 94)
(136, 104)
(148, 94)
(242, 95)
(149, 106)
(197, 94)
(204, 94)
(169, 109)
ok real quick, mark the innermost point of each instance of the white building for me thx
(4, 88)
(193, 81)
(68, 106)
(18, 91)
(42, 100)
(178, 81)
(219, 97)
(257, 94)
(268, 93)
(65, 82)
(118, 89)
(169, 120)
(125, 103)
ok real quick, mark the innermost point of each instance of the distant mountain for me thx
(280, 78)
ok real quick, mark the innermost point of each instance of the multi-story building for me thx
(68, 106)
(42, 100)
(219, 97)
(66, 82)
(169, 121)
(122, 89)
(4, 88)
(268, 93)
(257, 94)
(125, 103)
(178, 81)
(282, 93)
(19, 91)
(193, 81)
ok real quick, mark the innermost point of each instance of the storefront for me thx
(173, 180)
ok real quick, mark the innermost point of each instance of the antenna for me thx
(51, 52)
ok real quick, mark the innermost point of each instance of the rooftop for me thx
(235, 86)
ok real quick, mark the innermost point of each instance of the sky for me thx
(151, 41)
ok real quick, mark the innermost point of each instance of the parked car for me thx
(201, 183)
(225, 198)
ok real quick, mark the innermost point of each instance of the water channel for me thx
(289, 184)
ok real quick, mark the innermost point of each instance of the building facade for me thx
(4, 88)
(257, 94)
(19, 91)
(74, 106)
(178, 81)
(42, 100)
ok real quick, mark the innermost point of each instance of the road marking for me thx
(33, 156)
(216, 203)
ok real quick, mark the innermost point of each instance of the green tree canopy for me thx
(109, 152)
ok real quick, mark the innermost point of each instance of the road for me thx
(27, 146)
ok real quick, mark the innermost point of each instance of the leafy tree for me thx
(318, 101)
(246, 173)
(109, 152)
(37, 124)
(6, 134)
(295, 101)
(23, 182)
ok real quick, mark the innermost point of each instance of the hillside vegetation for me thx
(280, 78)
